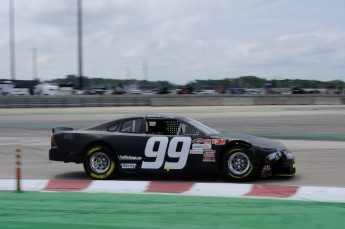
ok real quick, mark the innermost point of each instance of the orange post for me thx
(18, 168)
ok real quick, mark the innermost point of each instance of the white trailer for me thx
(6, 87)
(46, 89)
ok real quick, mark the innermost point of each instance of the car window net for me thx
(170, 127)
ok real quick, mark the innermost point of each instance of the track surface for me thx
(316, 136)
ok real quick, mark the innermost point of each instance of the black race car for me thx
(162, 143)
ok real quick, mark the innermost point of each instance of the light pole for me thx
(34, 64)
(145, 72)
(80, 44)
(12, 43)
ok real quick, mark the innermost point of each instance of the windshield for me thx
(201, 126)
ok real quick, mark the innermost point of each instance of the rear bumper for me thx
(56, 154)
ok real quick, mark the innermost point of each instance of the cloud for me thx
(181, 40)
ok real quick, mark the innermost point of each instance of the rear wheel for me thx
(99, 162)
(238, 164)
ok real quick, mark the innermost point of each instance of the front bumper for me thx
(283, 168)
(287, 168)
(279, 163)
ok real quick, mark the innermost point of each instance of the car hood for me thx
(256, 141)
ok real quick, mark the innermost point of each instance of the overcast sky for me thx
(181, 40)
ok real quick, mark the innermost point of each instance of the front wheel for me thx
(238, 164)
(99, 162)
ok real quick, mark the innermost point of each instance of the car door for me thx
(130, 142)
(169, 145)
(201, 157)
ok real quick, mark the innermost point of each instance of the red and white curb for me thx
(327, 194)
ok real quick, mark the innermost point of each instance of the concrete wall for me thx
(167, 100)
(71, 101)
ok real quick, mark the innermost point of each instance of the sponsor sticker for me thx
(129, 158)
(218, 141)
(207, 146)
(68, 136)
(198, 141)
(207, 159)
(128, 165)
(209, 156)
(196, 151)
(266, 171)
(159, 116)
(207, 141)
(198, 146)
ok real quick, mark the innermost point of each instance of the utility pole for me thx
(145, 73)
(128, 73)
(12, 43)
(80, 44)
(145, 70)
(34, 64)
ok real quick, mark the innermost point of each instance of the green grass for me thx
(90, 210)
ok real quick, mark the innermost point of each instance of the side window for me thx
(131, 126)
(185, 129)
(172, 126)
(113, 127)
(162, 127)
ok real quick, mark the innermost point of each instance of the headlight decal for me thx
(289, 155)
(273, 157)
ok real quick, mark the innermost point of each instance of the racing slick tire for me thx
(238, 164)
(100, 162)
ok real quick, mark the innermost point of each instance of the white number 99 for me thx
(182, 155)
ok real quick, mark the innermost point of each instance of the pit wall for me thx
(166, 100)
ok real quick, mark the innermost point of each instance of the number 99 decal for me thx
(159, 154)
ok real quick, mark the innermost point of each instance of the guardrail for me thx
(71, 101)
(166, 100)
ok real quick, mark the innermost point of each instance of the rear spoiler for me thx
(60, 129)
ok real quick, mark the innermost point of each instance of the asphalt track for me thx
(316, 135)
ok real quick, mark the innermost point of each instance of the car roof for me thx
(160, 116)
(154, 116)
(165, 117)
(146, 116)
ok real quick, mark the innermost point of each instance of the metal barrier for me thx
(166, 100)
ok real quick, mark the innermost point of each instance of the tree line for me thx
(239, 82)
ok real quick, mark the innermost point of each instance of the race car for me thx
(162, 143)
